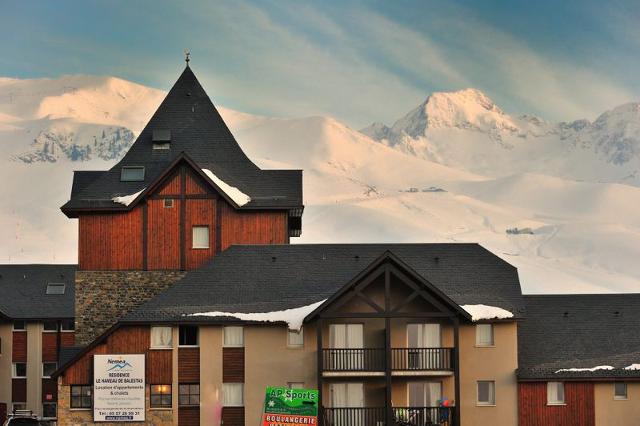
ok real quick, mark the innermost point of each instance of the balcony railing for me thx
(376, 416)
(374, 359)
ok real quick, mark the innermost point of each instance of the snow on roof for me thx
(127, 199)
(579, 370)
(238, 197)
(293, 317)
(632, 367)
(486, 312)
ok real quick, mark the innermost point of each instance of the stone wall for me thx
(103, 297)
(76, 417)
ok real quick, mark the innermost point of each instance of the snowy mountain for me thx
(466, 130)
(457, 168)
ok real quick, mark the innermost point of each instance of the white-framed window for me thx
(295, 338)
(233, 395)
(555, 393)
(233, 337)
(188, 335)
(161, 337)
(168, 203)
(346, 395)
(50, 326)
(19, 370)
(484, 335)
(295, 385)
(189, 394)
(486, 392)
(619, 390)
(132, 173)
(200, 237)
(19, 325)
(49, 410)
(48, 368)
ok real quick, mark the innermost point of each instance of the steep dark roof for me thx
(579, 331)
(67, 353)
(263, 278)
(23, 291)
(198, 130)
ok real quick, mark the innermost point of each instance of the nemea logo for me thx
(118, 364)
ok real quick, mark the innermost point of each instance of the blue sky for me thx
(359, 61)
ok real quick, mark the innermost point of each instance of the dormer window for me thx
(132, 174)
(161, 139)
(55, 288)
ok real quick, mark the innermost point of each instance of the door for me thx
(424, 341)
(347, 340)
(347, 402)
(424, 400)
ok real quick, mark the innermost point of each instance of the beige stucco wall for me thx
(270, 362)
(496, 363)
(34, 367)
(210, 372)
(611, 411)
(6, 336)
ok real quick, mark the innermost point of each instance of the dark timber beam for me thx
(319, 325)
(456, 370)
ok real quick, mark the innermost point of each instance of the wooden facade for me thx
(157, 233)
(19, 346)
(233, 365)
(189, 365)
(578, 410)
(233, 416)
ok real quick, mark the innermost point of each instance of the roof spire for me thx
(187, 54)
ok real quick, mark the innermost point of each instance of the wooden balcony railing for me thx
(374, 359)
(376, 416)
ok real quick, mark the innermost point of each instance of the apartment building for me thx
(36, 323)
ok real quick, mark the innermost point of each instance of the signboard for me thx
(290, 407)
(118, 388)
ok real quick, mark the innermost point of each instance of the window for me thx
(132, 174)
(161, 338)
(188, 335)
(80, 396)
(50, 326)
(620, 390)
(49, 410)
(233, 394)
(295, 338)
(160, 396)
(486, 392)
(161, 145)
(200, 237)
(484, 334)
(19, 406)
(295, 385)
(168, 203)
(189, 394)
(555, 393)
(19, 325)
(48, 368)
(346, 395)
(19, 370)
(55, 288)
(233, 337)
(68, 325)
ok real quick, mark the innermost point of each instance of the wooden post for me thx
(456, 370)
(319, 325)
(387, 346)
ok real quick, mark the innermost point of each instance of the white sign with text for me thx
(118, 388)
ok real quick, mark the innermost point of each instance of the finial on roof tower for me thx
(187, 54)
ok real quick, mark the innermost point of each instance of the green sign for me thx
(290, 406)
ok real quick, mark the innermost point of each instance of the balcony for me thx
(372, 361)
(375, 416)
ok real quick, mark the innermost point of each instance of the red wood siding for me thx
(159, 367)
(189, 365)
(110, 241)
(233, 416)
(193, 186)
(49, 390)
(49, 347)
(19, 346)
(19, 390)
(534, 411)
(252, 227)
(67, 338)
(233, 365)
(125, 340)
(171, 187)
(189, 416)
(199, 212)
(163, 227)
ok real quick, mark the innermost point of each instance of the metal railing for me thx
(366, 359)
(374, 359)
(421, 359)
(376, 416)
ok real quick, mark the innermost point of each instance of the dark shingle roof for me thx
(198, 130)
(67, 353)
(23, 291)
(579, 331)
(275, 277)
